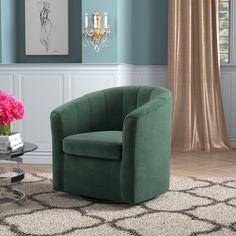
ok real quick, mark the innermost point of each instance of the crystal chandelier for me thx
(98, 35)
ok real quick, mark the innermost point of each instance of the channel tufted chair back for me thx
(113, 144)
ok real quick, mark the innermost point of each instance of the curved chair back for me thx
(113, 104)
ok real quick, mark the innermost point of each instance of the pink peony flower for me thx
(10, 108)
(17, 110)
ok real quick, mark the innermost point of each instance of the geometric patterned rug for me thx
(193, 206)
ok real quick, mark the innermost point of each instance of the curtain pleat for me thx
(194, 76)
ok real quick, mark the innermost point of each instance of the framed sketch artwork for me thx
(46, 27)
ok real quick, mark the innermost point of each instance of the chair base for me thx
(102, 201)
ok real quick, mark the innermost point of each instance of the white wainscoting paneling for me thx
(84, 83)
(142, 75)
(40, 93)
(6, 81)
(228, 85)
(43, 87)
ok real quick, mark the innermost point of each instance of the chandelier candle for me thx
(105, 20)
(86, 20)
(95, 21)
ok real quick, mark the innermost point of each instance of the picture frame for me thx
(46, 27)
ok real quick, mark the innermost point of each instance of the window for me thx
(225, 30)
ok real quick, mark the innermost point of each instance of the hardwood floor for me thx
(30, 168)
(182, 164)
(204, 164)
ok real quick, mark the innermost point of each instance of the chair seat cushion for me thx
(102, 144)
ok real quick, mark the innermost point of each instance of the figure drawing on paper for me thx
(46, 24)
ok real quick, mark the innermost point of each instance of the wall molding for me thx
(55, 84)
(228, 68)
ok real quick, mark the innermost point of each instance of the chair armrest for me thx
(66, 120)
(146, 149)
(71, 117)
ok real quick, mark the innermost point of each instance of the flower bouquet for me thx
(10, 109)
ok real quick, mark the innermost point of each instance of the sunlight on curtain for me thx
(194, 76)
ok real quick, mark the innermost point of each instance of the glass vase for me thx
(5, 129)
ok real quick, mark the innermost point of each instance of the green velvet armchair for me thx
(114, 144)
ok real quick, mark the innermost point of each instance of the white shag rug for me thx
(193, 206)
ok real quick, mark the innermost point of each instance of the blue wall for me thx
(139, 32)
(9, 31)
(75, 54)
(125, 37)
(150, 32)
(143, 28)
(107, 55)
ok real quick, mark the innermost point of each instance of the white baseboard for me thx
(35, 158)
(38, 158)
(233, 142)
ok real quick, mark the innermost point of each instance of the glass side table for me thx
(19, 174)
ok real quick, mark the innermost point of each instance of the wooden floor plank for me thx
(204, 164)
(182, 164)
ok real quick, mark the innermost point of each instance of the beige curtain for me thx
(194, 76)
